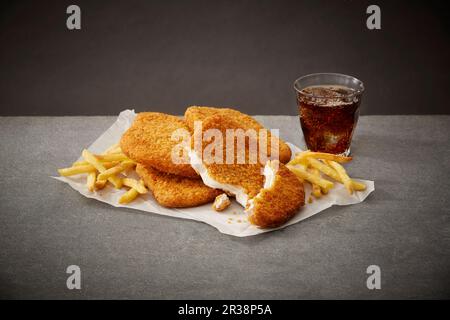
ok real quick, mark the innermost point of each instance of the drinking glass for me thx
(328, 106)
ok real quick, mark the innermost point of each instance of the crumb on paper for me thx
(221, 203)
(310, 199)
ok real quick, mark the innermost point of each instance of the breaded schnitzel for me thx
(280, 199)
(196, 113)
(149, 142)
(175, 191)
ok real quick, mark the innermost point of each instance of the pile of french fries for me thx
(104, 168)
(313, 166)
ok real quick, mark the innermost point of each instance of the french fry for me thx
(302, 153)
(90, 183)
(89, 157)
(316, 190)
(100, 184)
(80, 163)
(106, 164)
(358, 186)
(112, 148)
(131, 194)
(111, 157)
(322, 155)
(65, 172)
(299, 158)
(115, 150)
(302, 173)
(128, 196)
(331, 172)
(342, 174)
(104, 159)
(134, 184)
(289, 166)
(115, 170)
(110, 164)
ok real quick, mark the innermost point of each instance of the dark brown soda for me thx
(328, 116)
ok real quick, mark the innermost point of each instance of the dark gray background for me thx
(165, 55)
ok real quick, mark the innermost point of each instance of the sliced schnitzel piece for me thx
(280, 199)
(243, 180)
(196, 113)
(270, 193)
(149, 142)
(175, 191)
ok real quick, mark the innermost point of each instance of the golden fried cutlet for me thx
(148, 142)
(280, 199)
(196, 113)
(175, 191)
(242, 180)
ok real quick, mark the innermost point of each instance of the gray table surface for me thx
(403, 227)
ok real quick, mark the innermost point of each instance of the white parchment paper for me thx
(232, 221)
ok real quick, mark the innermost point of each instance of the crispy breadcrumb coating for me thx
(247, 176)
(196, 113)
(148, 142)
(175, 191)
(277, 204)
